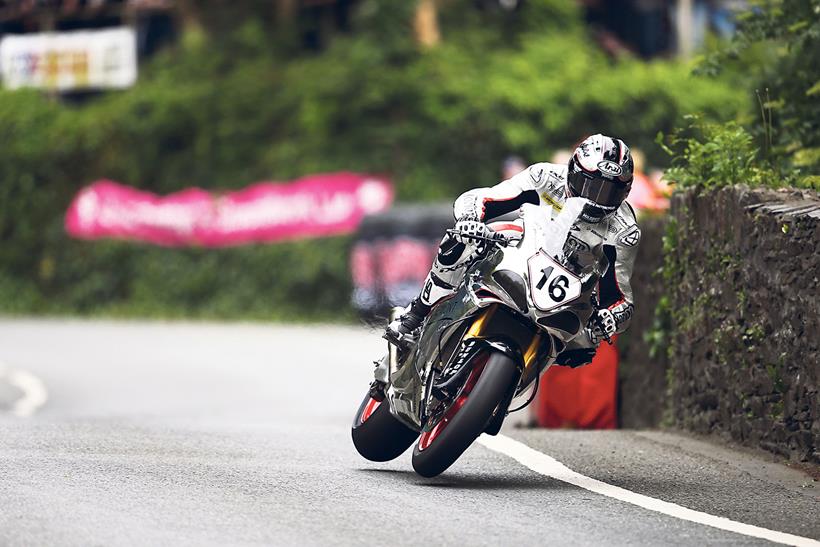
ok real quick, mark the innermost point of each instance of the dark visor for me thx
(601, 191)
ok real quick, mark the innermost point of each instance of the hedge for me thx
(240, 107)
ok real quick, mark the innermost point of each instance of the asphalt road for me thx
(201, 434)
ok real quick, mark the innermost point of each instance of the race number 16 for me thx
(550, 283)
(557, 288)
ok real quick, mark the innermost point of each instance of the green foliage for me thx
(245, 106)
(778, 49)
(711, 155)
(659, 337)
(290, 281)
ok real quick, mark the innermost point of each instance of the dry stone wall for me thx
(745, 309)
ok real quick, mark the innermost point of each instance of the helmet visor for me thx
(602, 191)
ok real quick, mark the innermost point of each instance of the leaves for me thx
(235, 110)
(713, 155)
(789, 31)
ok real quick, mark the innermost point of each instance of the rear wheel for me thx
(445, 437)
(377, 434)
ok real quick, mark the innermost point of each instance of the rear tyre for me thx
(468, 420)
(377, 434)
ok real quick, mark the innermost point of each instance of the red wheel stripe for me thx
(427, 437)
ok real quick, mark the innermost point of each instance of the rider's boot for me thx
(441, 282)
(400, 331)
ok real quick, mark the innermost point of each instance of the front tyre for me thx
(444, 440)
(377, 434)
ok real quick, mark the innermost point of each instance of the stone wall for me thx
(745, 308)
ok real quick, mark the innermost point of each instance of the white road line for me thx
(34, 391)
(550, 467)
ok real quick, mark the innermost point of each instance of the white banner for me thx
(92, 59)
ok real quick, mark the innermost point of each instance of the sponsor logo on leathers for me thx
(631, 238)
(536, 175)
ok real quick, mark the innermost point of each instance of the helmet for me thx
(600, 170)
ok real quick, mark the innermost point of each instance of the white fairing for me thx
(538, 256)
(551, 285)
(535, 267)
(548, 181)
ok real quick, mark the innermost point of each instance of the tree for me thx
(787, 79)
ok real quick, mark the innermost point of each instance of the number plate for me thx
(551, 285)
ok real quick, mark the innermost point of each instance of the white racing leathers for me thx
(542, 184)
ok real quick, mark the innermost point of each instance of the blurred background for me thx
(409, 102)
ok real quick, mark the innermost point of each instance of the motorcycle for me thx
(530, 289)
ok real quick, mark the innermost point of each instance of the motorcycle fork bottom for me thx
(483, 327)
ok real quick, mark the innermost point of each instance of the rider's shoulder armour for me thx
(550, 180)
(623, 227)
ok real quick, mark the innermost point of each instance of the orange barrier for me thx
(580, 398)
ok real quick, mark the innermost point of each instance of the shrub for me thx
(235, 109)
(713, 155)
(777, 49)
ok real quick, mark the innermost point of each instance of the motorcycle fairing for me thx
(553, 242)
(495, 280)
(447, 323)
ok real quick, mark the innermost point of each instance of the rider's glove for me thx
(601, 327)
(470, 227)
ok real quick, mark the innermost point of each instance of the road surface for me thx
(205, 434)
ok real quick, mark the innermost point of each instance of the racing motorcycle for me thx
(529, 290)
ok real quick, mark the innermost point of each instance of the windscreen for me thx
(560, 237)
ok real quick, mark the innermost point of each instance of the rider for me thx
(599, 170)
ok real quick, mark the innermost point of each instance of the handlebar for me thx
(495, 237)
(600, 323)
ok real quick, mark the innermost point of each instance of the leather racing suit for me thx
(542, 184)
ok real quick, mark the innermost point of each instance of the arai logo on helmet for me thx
(609, 168)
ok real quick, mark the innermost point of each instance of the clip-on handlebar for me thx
(495, 237)
(599, 323)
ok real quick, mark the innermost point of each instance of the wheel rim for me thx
(430, 434)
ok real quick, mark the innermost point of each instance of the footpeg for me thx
(401, 341)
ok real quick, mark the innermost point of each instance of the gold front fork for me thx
(532, 351)
(476, 330)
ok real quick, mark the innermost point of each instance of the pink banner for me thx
(318, 205)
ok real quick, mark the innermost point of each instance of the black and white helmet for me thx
(600, 170)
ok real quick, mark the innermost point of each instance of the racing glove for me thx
(470, 227)
(601, 327)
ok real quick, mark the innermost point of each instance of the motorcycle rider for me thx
(600, 170)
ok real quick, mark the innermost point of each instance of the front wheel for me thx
(447, 436)
(377, 434)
